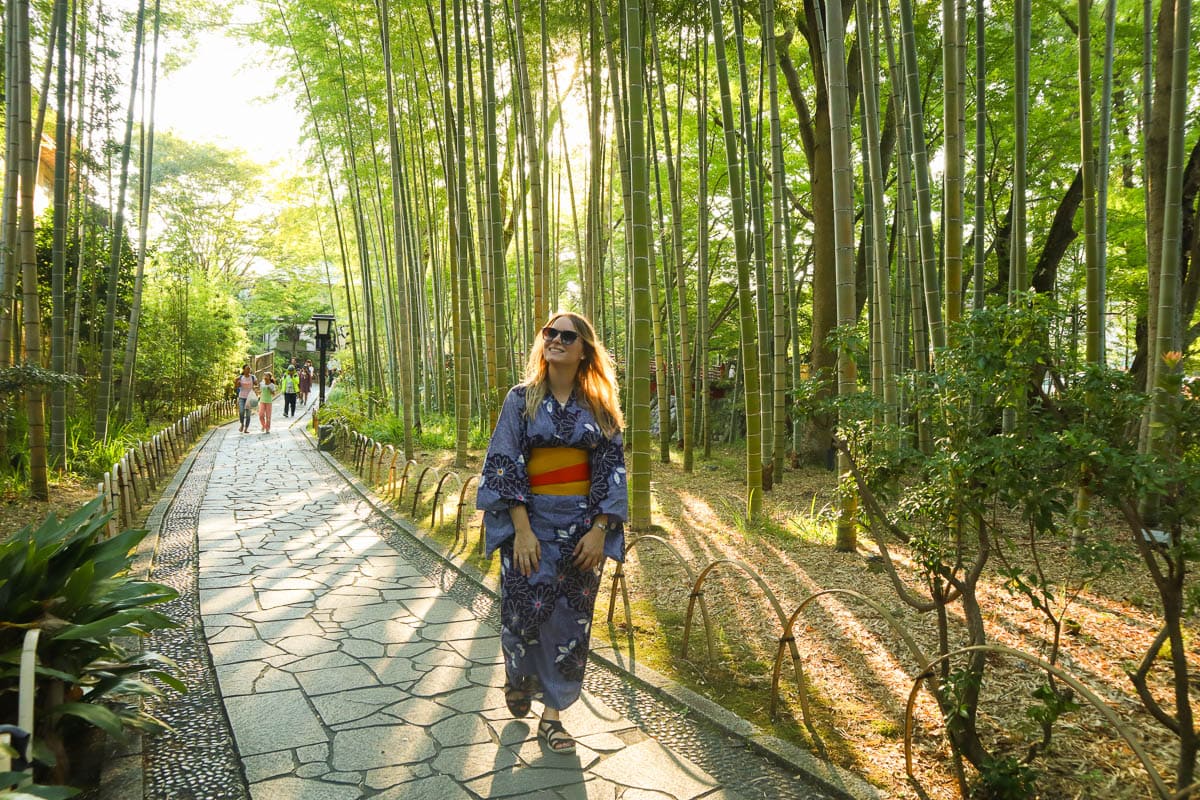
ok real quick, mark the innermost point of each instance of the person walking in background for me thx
(246, 383)
(554, 498)
(306, 378)
(291, 388)
(267, 392)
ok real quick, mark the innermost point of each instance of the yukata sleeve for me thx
(504, 482)
(609, 493)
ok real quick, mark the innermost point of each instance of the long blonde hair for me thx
(596, 379)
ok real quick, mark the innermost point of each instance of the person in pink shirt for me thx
(267, 392)
(246, 386)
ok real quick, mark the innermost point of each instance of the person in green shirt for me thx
(291, 389)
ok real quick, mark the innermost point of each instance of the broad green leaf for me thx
(39, 793)
(101, 627)
(103, 718)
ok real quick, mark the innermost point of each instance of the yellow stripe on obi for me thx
(559, 470)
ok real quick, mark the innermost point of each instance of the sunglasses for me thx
(568, 338)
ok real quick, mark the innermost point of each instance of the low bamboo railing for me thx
(136, 475)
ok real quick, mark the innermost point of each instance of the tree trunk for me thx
(104, 395)
(128, 371)
(749, 351)
(541, 303)
(843, 210)
(406, 353)
(639, 191)
(39, 484)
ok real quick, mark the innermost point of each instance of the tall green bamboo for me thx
(755, 219)
(920, 160)
(462, 335)
(780, 269)
(702, 222)
(1168, 340)
(980, 151)
(746, 309)
(639, 213)
(1087, 160)
(145, 173)
(590, 274)
(406, 353)
(843, 211)
(8, 218)
(533, 165)
(686, 380)
(58, 333)
(952, 199)
(499, 333)
(104, 393)
(882, 298)
(1106, 107)
(39, 484)
(1018, 277)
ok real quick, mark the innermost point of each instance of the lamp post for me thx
(324, 325)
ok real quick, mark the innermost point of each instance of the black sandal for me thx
(517, 698)
(555, 737)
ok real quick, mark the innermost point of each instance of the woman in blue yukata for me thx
(554, 498)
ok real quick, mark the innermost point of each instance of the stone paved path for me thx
(347, 672)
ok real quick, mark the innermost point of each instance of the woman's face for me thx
(246, 370)
(558, 353)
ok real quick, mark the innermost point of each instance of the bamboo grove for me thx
(795, 189)
(798, 199)
(79, 94)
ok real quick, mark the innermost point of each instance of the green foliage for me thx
(68, 580)
(203, 193)
(436, 431)
(283, 302)
(15, 380)
(33, 792)
(1014, 428)
(1053, 703)
(959, 685)
(1004, 779)
(197, 342)
(25, 376)
(90, 456)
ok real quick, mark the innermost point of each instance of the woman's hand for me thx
(589, 552)
(527, 552)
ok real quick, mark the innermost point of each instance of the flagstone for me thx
(371, 748)
(337, 679)
(255, 721)
(252, 677)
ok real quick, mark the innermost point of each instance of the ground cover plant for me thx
(70, 580)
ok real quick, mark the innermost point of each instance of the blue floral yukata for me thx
(547, 618)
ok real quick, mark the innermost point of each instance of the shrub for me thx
(66, 579)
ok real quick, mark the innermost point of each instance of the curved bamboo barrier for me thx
(1186, 792)
(376, 459)
(458, 516)
(619, 577)
(134, 477)
(390, 491)
(789, 635)
(417, 488)
(785, 636)
(437, 494)
(408, 465)
(1109, 715)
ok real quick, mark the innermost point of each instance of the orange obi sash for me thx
(559, 470)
